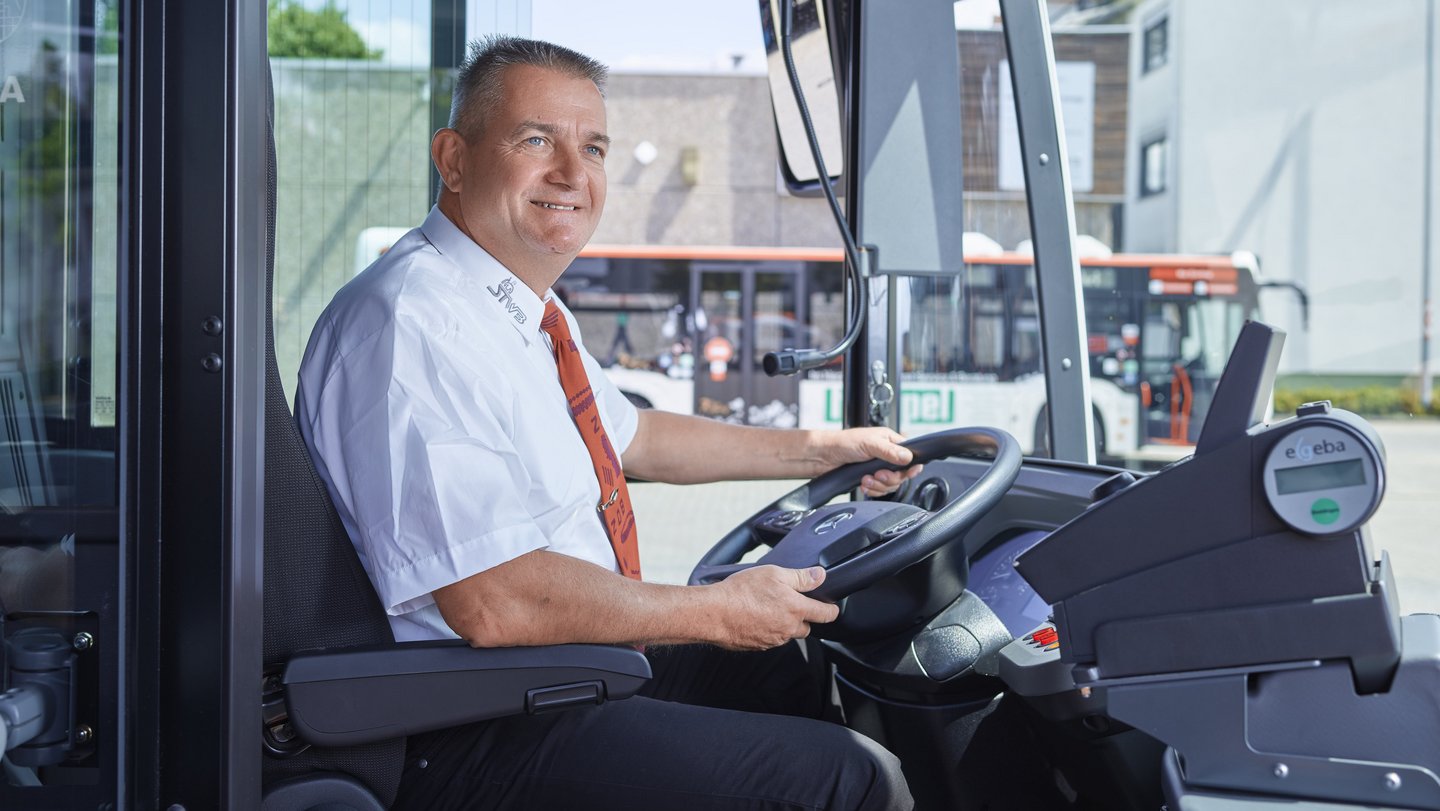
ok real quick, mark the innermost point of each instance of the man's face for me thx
(532, 182)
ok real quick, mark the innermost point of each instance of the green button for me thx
(1325, 511)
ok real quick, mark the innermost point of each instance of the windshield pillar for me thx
(1052, 227)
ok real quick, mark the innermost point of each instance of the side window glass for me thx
(59, 238)
(358, 92)
(58, 185)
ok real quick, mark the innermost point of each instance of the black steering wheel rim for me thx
(883, 560)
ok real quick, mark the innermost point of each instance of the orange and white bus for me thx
(684, 328)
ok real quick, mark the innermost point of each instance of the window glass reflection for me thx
(58, 184)
(59, 226)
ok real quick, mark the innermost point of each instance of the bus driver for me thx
(468, 438)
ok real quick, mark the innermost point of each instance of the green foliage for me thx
(1368, 401)
(107, 25)
(46, 158)
(297, 31)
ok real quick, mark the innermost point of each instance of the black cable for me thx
(790, 361)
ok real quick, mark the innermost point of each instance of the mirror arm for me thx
(1300, 295)
(791, 361)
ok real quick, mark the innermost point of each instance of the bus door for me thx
(1192, 318)
(1170, 406)
(62, 610)
(741, 311)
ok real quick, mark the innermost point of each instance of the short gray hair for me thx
(478, 87)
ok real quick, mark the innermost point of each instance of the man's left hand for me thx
(864, 444)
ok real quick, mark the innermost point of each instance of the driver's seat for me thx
(339, 694)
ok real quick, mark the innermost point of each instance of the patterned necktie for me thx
(614, 506)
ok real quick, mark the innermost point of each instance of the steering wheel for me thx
(861, 542)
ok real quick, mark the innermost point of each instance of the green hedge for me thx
(1368, 401)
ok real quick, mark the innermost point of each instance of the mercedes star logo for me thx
(833, 521)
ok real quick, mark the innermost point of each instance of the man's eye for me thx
(596, 151)
(535, 140)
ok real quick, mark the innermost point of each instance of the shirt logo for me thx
(503, 292)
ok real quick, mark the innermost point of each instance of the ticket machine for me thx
(1231, 606)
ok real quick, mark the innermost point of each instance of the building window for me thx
(1154, 160)
(1157, 44)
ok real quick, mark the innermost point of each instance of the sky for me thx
(645, 35)
(628, 35)
(400, 28)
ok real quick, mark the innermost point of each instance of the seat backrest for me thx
(316, 593)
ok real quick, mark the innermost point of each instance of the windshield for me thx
(1202, 169)
(969, 343)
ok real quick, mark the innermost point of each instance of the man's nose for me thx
(568, 169)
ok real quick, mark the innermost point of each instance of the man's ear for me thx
(446, 150)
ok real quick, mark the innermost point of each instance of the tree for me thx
(320, 34)
(107, 27)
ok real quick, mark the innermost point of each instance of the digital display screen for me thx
(1306, 478)
(994, 580)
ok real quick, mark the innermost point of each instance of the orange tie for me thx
(614, 506)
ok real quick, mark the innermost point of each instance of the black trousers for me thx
(713, 730)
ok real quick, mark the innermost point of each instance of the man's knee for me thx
(869, 777)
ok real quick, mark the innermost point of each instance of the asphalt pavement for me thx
(1407, 524)
(679, 523)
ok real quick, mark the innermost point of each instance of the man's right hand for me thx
(550, 598)
(766, 606)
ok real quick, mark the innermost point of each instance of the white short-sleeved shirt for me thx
(432, 406)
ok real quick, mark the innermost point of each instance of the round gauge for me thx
(1323, 477)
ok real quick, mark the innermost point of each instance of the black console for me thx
(1230, 606)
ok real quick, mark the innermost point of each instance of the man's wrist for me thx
(679, 615)
(806, 453)
(705, 620)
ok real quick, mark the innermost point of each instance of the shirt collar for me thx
(512, 299)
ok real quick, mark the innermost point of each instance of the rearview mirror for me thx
(810, 44)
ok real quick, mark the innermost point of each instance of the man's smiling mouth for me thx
(555, 206)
